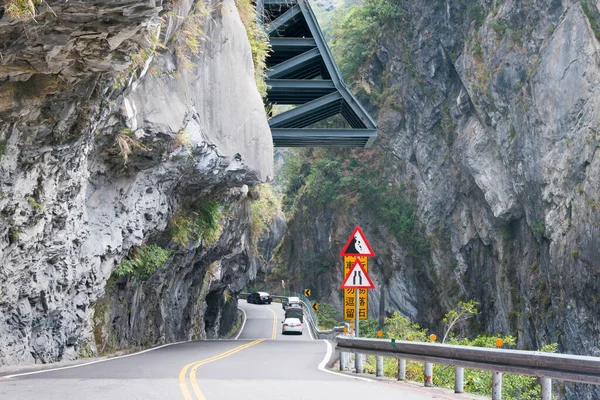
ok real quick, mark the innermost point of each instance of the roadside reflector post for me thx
(497, 378)
(379, 366)
(497, 385)
(379, 359)
(401, 369)
(459, 378)
(546, 388)
(428, 373)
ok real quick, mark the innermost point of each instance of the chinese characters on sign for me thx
(349, 294)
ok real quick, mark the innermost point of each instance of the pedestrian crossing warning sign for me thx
(357, 245)
(357, 278)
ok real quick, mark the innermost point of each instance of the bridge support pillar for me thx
(496, 385)
(546, 388)
(428, 374)
(379, 366)
(459, 378)
(401, 369)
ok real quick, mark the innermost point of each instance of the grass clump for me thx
(35, 205)
(127, 143)
(191, 34)
(2, 148)
(259, 43)
(144, 262)
(192, 226)
(264, 209)
(22, 9)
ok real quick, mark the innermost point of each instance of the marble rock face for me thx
(105, 135)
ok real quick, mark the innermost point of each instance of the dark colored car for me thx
(259, 298)
(294, 311)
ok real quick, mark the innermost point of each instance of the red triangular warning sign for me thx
(357, 245)
(357, 278)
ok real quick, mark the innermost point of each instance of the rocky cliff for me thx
(488, 116)
(129, 134)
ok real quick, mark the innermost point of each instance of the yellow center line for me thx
(182, 383)
(274, 335)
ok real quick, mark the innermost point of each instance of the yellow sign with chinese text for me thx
(349, 294)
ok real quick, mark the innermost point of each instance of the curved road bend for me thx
(260, 364)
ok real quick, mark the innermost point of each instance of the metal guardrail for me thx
(566, 367)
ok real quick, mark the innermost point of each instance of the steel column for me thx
(459, 378)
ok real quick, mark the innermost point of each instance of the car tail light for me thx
(285, 324)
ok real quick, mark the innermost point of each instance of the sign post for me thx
(355, 253)
(357, 278)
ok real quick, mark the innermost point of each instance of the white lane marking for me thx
(323, 367)
(243, 323)
(92, 362)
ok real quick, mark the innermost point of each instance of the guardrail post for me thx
(496, 385)
(358, 364)
(401, 369)
(428, 374)
(379, 366)
(546, 388)
(459, 378)
(343, 361)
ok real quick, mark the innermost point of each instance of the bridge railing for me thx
(546, 366)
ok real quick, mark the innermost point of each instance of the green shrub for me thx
(205, 223)
(499, 26)
(477, 15)
(144, 262)
(264, 210)
(539, 227)
(477, 51)
(357, 31)
(592, 16)
(327, 316)
(2, 148)
(338, 179)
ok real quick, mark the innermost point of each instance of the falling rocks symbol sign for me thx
(357, 245)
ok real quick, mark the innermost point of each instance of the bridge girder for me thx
(302, 73)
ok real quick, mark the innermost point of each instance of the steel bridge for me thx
(302, 73)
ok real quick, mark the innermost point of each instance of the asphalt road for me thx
(260, 364)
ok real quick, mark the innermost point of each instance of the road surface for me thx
(259, 364)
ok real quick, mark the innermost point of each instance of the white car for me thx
(291, 325)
